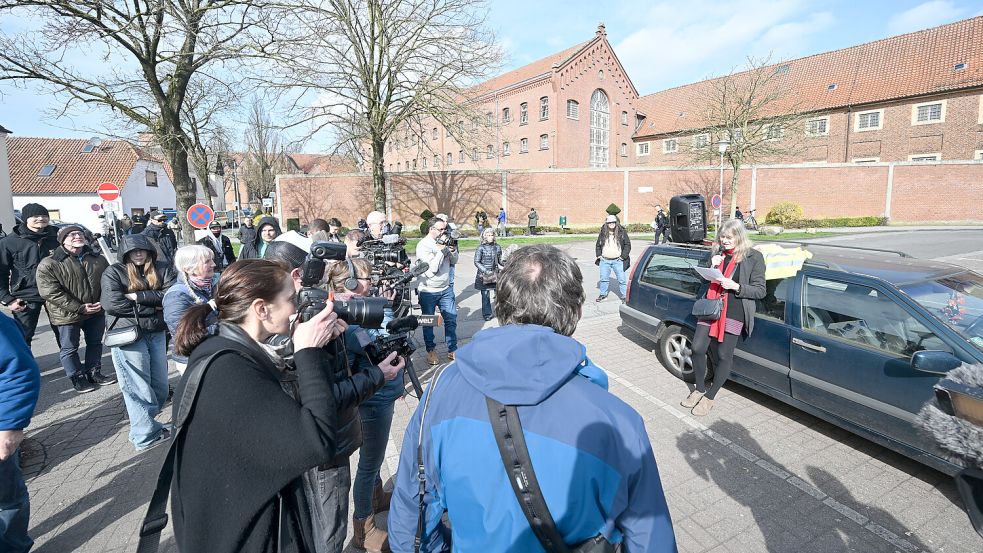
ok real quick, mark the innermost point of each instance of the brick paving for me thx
(755, 475)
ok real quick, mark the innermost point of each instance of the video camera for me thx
(365, 312)
(449, 237)
(383, 251)
(400, 340)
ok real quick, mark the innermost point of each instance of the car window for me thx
(773, 304)
(673, 272)
(860, 314)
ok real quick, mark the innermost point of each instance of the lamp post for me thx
(722, 147)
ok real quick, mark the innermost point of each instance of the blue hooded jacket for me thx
(20, 378)
(590, 451)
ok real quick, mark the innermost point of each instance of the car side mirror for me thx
(935, 362)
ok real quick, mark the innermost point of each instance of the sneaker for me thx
(703, 408)
(161, 438)
(692, 399)
(96, 377)
(488, 318)
(82, 385)
(432, 358)
(601, 298)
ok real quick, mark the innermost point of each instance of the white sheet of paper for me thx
(709, 273)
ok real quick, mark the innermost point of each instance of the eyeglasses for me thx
(75, 234)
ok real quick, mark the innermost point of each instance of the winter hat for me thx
(33, 210)
(611, 219)
(63, 232)
(214, 224)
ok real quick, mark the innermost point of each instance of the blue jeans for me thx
(448, 310)
(141, 368)
(15, 507)
(486, 304)
(377, 418)
(93, 329)
(450, 275)
(616, 265)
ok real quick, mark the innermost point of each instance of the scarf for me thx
(717, 291)
(201, 285)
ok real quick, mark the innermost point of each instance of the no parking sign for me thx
(199, 215)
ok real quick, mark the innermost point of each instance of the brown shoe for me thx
(381, 498)
(432, 358)
(692, 399)
(450, 355)
(702, 408)
(368, 537)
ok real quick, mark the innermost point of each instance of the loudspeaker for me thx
(688, 218)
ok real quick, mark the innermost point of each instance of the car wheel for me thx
(674, 351)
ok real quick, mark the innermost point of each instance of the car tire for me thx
(674, 349)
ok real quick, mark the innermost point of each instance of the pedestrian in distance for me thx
(612, 249)
(133, 294)
(334, 230)
(267, 230)
(742, 283)
(196, 282)
(435, 290)
(502, 228)
(126, 224)
(738, 214)
(20, 386)
(247, 232)
(602, 480)
(317, 225)
(69, 281)
(533, 220)
(488, 261)
(661, 225)
(20, 254)
(220, 246)
(139, 223)
(246, 444)
(163, 237)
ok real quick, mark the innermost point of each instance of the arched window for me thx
(450, 158)
(600, 124)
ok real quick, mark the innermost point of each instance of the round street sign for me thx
(715, 201)
(199, 215)
(95, 207)
(108, 191)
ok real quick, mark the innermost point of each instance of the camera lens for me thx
(364, 312)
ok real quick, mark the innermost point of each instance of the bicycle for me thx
(750, 222)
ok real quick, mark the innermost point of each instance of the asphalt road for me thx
(960, 247)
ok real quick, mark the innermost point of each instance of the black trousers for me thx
(723, 354)
(28, 319)
(664, 233)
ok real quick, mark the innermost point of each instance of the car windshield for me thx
(956, 300)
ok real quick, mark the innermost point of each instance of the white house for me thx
(63, 175)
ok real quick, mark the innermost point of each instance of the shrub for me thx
(613, 209)
(867, 221)
(293, 224)
(785, 214)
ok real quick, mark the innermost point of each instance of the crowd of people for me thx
(289, 398)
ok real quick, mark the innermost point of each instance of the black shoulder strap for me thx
(518, 467)
(156, 519)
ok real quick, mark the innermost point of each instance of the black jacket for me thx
(20, 253)
(751, 277)
(351, 388)
(250, 250)
(246, 445)
(622, 236)
(661, 220)
(220, 256)
(246, 235)
(150, 303)
(164, 239)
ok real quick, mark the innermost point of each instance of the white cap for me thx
(295, 238)
(611, 219)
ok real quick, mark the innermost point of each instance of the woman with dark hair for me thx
(244, 447)
(133, 295)
(488, 260)
(612, 249)
(743, 282)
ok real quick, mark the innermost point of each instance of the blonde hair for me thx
(487, 232)
(338, 273)
(147, 281)
(742, 244)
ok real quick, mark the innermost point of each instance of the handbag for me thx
(489, 278)
(708, 310)
(515, 456)
(116, 337)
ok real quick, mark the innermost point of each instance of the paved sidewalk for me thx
(755, 475)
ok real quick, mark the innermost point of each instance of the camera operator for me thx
(328, 485)
(435, 288)
(379, 227)
(353, 241)
(453, 243)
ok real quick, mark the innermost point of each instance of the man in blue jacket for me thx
(20, 384)
(589, 449)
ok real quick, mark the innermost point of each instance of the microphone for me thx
(402, 278)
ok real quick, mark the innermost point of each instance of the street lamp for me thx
(722, 147)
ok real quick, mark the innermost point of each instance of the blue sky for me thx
(661, 43)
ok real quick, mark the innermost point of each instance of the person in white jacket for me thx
(435, 289)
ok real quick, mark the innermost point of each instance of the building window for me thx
(670, 146)
(624, 118)
(506, 115)
(436, 134)
(524, 146)
(600, 128)
(736, 136)
(151, 178)
(866, 159)
(87, 149)
(423, 164)
(927, 113)
(450, 158)
(774, 132)
(414, 164)
(544, 108)
(48, 169)
(544, 142)
(624, 150)
(491, 118)
(642, 149)
(460, 156)
(925, 157)
(436, 161)
(818, 126)
(868, 120)
(506, 149)
(474, 154)
(600, 75)
(573, 109)
(523, 113)
(399, 165)
(491, 152)
(701, 140)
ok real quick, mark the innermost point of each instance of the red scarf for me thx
(717, 291)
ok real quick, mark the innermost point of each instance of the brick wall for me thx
(945, 191)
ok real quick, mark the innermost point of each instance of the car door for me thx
(764, 356)
(852, 355)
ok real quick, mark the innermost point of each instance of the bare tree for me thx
(208, 105)
(381, 70)
(152, 49)
(755, 110)
(266, 152)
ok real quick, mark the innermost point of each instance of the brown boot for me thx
(368, 537)
(450, 356)
(432, 358)
(381, 498)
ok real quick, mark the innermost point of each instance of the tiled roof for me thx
(75, 172)
(322, 163)
(529, 71)
(910, 65)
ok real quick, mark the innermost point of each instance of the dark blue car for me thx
(856, 337)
